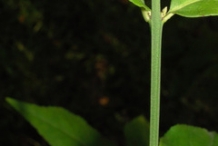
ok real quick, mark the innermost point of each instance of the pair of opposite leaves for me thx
(186, 8)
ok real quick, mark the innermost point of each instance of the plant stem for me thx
(156, 35)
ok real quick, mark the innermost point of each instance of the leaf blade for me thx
(141, 4)
(194, 8)
(184, 135)
(58, 126)
(137, 132)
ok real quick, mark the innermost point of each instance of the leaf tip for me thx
(8, 100)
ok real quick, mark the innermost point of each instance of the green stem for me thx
(156, 35)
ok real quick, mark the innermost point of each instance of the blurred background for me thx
(93, 58)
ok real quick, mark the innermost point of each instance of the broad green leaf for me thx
(194, 8)
(137, 132)
(58, 126)
(184, 135)
(141, 4)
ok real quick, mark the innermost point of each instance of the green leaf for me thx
(141, 4)
(58, 126)
(184, 135)
(137, 132)
(194, 8)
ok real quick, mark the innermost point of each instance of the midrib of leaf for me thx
(183, 5)
(63, 131)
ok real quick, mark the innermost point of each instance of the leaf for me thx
(58, 126)
(137, 132)
(184, 135)
(141, 4)
(194, 8)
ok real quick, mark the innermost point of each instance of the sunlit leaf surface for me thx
(194, 8)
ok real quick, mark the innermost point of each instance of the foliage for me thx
(74, 38)
(194, 8)
(58, 126)
(181, 135)
(156, 19)
(137, 132)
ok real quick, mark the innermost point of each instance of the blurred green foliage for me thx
(93, 58)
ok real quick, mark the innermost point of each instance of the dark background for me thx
(93, 58)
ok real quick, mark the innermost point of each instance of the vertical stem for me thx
(156, 35)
